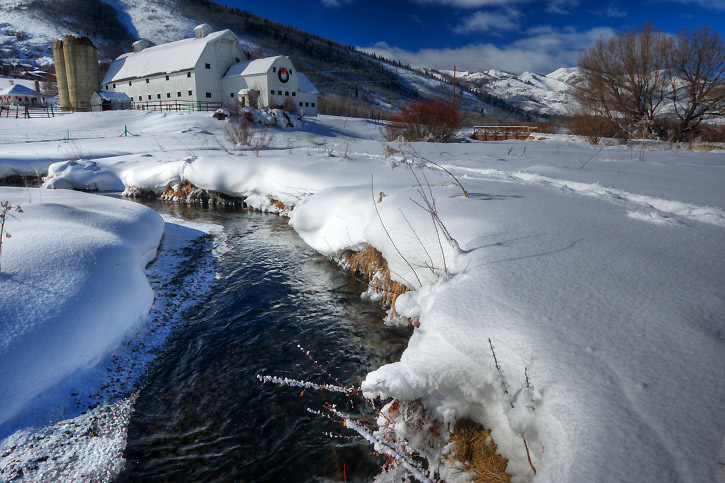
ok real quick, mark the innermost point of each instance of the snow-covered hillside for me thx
(158, 20)
(37, 25)
(32, 26)
(535, 93)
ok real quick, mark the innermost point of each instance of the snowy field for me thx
(598, 272)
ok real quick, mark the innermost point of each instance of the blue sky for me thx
(512, 35)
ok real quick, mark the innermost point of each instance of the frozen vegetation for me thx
(596, 272)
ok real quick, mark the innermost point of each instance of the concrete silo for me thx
(60, 75)
(81, 71)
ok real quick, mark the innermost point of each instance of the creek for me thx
(202, 415)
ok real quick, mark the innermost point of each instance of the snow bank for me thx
(73, 285)
(82, 175)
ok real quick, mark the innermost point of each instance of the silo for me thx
(81, 67)
(60, 75)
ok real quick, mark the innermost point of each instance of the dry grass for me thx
(475, 449)
(367, 264)
(280, 206)
(187, 192)
(183, 193)
(707, 147)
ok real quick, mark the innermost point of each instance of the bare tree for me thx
(697, 67)
(624, 79)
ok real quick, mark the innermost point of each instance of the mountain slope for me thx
(339, 71)
(534, 93)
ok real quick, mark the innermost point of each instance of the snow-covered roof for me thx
(108, 96)
(162, 59)
(251, 67)
(306, 85)
(19, 90)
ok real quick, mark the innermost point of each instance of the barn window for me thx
(272, 91)
(207, 66)
(129, 82)
(286, 93)
(290, 71)
(313, 104)
(147, 81)
(208, 95)
(167, 77)
(307, 104)
(149, 97)
(300, 104)
(106, 87)
(274, 69)
(114, 86)
(294, 93)
(231, 95)
(279, 92)
(158, 96)
(140, 98)
(168, 95)
(188, 74)
(189, 92)
(178, 94)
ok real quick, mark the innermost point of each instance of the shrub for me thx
(435, 121)
(237, 129)
(593, 127)
(710, 133)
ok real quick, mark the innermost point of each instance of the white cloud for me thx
(470, 3)
(552, 6)
(561, 7)
(335, 3)
(485, 21)
(542, 53)
(710, 4)
(610, 11)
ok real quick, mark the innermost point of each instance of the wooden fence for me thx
(176, 105)
(27, 112)
(501, 133)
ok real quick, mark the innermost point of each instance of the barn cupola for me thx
(201, 31)
(141, 44)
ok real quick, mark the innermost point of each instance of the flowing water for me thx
(203, 416)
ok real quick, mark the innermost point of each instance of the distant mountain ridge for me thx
(28, 29)
(548, 94)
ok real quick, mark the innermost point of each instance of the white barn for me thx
(273, 81)
(207, 69)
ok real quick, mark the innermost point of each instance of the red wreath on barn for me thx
(283, 75)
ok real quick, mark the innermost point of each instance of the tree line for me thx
(646, 83)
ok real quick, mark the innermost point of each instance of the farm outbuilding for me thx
(207, 71)
(110, 101)
(19, 95)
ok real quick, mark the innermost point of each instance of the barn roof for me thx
(19, 90)
(306, 85)
(108, 96)
(251, 67)
(162, 59)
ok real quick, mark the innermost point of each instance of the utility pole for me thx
(454, 88)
